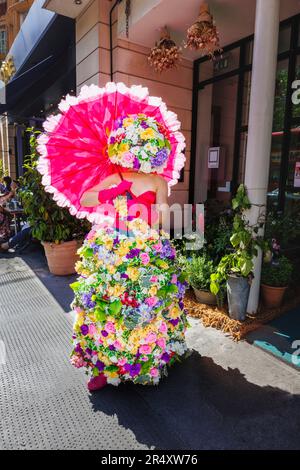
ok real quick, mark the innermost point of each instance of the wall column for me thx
(261, 120)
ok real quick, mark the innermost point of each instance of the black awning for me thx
(19, 85)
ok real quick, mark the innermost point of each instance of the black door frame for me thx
(240, 71)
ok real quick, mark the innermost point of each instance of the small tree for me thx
(49, 222)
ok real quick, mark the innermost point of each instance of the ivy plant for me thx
(49, 222)
(244, 240)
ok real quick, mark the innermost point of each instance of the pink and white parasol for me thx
(73, 148)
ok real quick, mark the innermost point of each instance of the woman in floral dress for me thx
(130, 318)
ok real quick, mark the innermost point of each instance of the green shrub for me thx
(277, 273)
(49, 222)
(199, 270)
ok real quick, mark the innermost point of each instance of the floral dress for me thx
(130, 319)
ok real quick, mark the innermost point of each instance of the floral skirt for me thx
(130, 318)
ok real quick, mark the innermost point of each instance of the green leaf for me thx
(115, 307)
(100, 315)
(75, 286)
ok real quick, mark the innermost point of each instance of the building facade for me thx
(243, 106)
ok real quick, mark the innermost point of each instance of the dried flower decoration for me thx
(203, 35)
(166, 54)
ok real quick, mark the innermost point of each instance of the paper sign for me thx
(213, 157)
(297, 175)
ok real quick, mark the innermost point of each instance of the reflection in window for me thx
(2, 41)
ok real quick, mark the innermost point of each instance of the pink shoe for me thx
(96, 383)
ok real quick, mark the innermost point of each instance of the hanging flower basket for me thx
(166, 54)
(203, 35)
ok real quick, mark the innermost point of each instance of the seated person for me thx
(5, 220)
(18, 240)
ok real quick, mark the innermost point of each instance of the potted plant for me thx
(199, 270)
(61, 234)
(275, 278)
(235, 268)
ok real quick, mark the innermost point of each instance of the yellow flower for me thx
(174, 312)
(152, 291)
(163, 265)
(147, 134)
(110, 291)
(133, 273)
(140, 243)
(138, 225)
(127, 122)
(119, 290)
(123, 148)
(111, 269)
(120, 205)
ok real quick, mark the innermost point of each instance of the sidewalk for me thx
(226, 395)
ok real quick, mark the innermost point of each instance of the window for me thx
(2, 41)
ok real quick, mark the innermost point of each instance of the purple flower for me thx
(116, 241)
(135, 369)
(174, 322)
(181, 288)
(87, 301)
(104, 333)
(112, 140)
(133, 253)
(160, 158)
(165, 357)
(100, 365)
(78, 349)
(124, 276)
(144, 125)
(112, 348)
(167, 250)
(88, 351)
(181, 305)
(84, 329)
(136, 163)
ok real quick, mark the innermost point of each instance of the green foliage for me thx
(277, 273)
(244, 241)
(284, 227)
(2, 171)
(199, 269)
(49, 222)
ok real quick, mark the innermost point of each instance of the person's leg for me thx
(20, 238)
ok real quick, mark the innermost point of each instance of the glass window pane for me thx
(277, 134)
(296, 101)
(242, 157)
(224, 63)
(280, 95)
(292, 195)
(284, 41)
(246, 98)
(249, 52)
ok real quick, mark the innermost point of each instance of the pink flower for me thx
(90, 234)
(78, 361)
(174, 279)
(145, 258)
(127, 158)
(153, 279)
(145, 349)
(150, 338)
(151, 301)
(158, 246)
(163, 328)
(154, 372)
(161, 342)
(99, 341)
(144, 358)
(122, 361)
(92, 329)
(110, 327)
(118, 345)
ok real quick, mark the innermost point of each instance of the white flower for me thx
(145, 167)
(113, 381)
(143, 155)
(135, 150)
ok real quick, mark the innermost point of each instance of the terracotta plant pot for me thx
(62, 257)
(205, 297)
(272, 296)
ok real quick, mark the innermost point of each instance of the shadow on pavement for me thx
(203, 406)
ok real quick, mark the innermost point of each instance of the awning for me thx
(18, 86)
